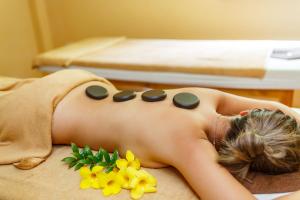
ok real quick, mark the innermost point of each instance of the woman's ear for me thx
(244, 112)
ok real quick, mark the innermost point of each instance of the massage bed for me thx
(53, 180)
(242, 67)
(26, 143)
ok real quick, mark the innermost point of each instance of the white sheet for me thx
(269, 196)
(278, 76)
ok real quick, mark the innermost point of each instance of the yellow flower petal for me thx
(126, 185)
(111, 175)
(85, 172)
(152, 180)
(126, 174)
(95, 184)
(85, 184)
(134, 182)
(115, 169)
(102, 180)
(144, 181)
(119, 180)
(111, 183)
(131, 171)
(115, 189)
(136, 193)
(135, 164)
(106, 191)
(143, 173)
(121, 163)
(129, 156)
(149, 189)
(97, 169)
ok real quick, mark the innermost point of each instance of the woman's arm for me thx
(197, 162)
(229, 104)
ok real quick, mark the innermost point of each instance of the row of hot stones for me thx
(182, 100)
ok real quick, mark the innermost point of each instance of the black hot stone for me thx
(154, 95)
(96, 92)
(124, 96)
(186, 100)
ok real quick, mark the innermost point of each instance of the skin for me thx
(161, 134)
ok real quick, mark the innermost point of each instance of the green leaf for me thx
(72, 164)
(89, 161)
(109, 169)
(85, 156)
(91, 167)
(83, 162)
(69, 160)
(104, 164)
(106, 156)
(99, 155)
(91, 158)
(82, 154)
(74, 148)
(87, 151)
(78, 166)
(77, 155)
(115, 157)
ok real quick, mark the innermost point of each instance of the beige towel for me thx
(26, 108)
(53, 180)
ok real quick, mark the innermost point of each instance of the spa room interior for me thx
(246, 48)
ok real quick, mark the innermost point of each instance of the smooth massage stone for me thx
(186, 100)
(154, 95)
(96, 92)
(124, 96)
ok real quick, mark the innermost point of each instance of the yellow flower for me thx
(130, 161)
(127, 175)
(115, 169)
(143, 182)
(90, 179)
(111, 183)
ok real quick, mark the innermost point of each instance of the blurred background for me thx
(29, 27)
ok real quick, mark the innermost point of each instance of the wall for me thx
(28, 27)
(32, 26)
(17, 39)
(201, 19)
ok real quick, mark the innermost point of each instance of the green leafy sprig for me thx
(85, 157)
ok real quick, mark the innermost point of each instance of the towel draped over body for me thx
(26, 109)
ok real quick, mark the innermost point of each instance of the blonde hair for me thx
(263, 140)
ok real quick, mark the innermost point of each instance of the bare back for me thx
(150, 129)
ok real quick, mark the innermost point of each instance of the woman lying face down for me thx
(224, 130)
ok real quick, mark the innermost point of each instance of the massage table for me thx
(131, 64)
(27, 109)
(53, 180)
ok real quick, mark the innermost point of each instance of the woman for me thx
(248, 133)
(223, 130)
